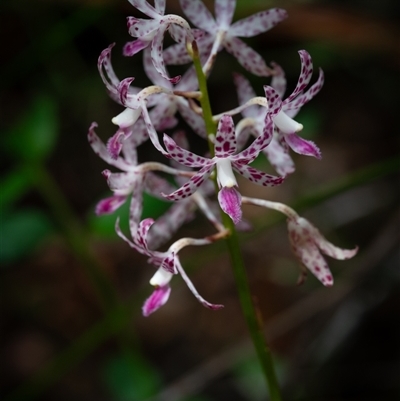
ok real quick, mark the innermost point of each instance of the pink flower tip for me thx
(230, 201)
(157, 299)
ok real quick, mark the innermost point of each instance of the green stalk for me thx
(253, 319)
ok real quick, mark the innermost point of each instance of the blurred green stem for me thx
(73, 232)
(252, 316)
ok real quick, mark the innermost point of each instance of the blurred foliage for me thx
(51, 92)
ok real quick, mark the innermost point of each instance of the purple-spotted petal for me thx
(183, 156)
(157, 299)
(225, 140)
(157, 53)
(257, 176)
(273, 99)
(109, 205)
(125, 97)
(136, 206)
(101, 150)
(134, 47)
(307, 96)
(199, 15)
(230, 201)
(304, 78)
(258, 23)
(224, 10)
(146, 8)
(246, 56)
(302, 146)
(114, 144)
(119, 181)
(308, 253)
(168, 263)
(249, 154)
(167, 225)
(109, 79)
(192, 185)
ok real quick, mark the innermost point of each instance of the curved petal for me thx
(199, 15)
(157, 53)
(100, 149)
(257, 176)
(273, 99)
(249, 154)
(258, 23)
(304, 78)
(246, 56)
(110, 80)
(225, 140)
(160, 6)
(183, 156)
(192, 185)
(308, 253)
(306, 97)
(302, 146)
(192, 288)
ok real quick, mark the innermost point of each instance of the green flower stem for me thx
(253, 319)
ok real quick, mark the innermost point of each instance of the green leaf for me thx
(13, 186)
(34, 136)
(104, 225)
(131, 378)
(21, 232)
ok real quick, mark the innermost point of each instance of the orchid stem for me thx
(253, 319)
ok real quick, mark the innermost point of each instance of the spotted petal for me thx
(308, 253)
(257, 176)
(224, 10)
(225, 140)
(304, 78)
(249, 154)
(157, 53)
(199, 14)
(183, 156)
(302, 146)
(230, 201)
(258, 23)
(307, 96)
(101, 150)
(246, 56)
(192, 185)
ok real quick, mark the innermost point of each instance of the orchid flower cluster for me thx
(205, 183)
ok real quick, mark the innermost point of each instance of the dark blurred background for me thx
(71, 291)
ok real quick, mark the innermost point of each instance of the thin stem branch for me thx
(253, 319)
